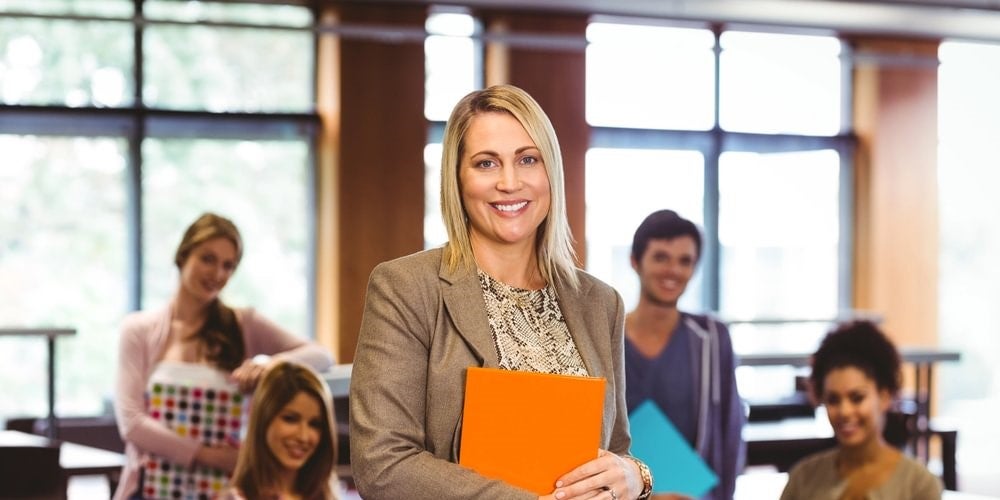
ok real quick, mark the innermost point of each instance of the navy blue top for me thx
(668, 379)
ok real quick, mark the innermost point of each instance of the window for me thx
(97, 189)
(651, 177)
(435, 234)
(969, 279)
(768, 182)
(266, 65)
(780, 83)
(451, 61)
(453, 70)
(672, 89)
(779, 246)
(62, 264)
(65, 63)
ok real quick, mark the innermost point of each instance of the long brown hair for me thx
(221, 332)
(257, 467)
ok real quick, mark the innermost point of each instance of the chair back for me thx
(900, 429)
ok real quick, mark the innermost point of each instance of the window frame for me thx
(135, 122)
(716, 141)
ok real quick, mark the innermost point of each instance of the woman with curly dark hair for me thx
(856, 376)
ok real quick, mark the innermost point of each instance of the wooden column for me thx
(375, 136)
(551, 66)
(896, 231)
(326, 193)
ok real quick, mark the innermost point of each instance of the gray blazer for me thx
(422, 327)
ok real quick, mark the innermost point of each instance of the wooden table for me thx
(51, 334)
(75, 459)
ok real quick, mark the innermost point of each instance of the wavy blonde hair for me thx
(554, 242)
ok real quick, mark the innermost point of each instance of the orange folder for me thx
(528, 428)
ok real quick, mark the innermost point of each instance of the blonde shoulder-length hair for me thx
(554, 242)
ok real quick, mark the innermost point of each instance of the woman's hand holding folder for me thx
(608, 476)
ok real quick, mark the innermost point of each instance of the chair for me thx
(900, 429)
(98, 432)
(31, 473)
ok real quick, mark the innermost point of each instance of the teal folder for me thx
(676, 467)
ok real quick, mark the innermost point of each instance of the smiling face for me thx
(855, 406)
(666, 267)
(503, 181)
(294, 433)
(208, 268)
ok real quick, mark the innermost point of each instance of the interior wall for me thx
(896, 226)
(327, 298)
(378, 163)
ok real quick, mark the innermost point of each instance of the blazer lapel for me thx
(581, 324)
(463, 300)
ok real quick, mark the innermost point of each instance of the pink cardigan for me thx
(143, 336)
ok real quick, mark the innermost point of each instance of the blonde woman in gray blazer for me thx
(503, 292)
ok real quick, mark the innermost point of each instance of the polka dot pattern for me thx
(210, 415)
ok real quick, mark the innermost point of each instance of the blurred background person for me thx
(683, 362)
(856, 376)
(289, 450)
(177, 361)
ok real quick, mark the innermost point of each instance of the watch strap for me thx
(645, 475)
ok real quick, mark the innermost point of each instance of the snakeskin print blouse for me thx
(529, 330)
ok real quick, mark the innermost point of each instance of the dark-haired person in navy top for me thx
(683, 362)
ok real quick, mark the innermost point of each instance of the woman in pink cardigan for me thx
(184, 371)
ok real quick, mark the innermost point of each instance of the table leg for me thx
(928, 399)
(51, 430)
(923, 396)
